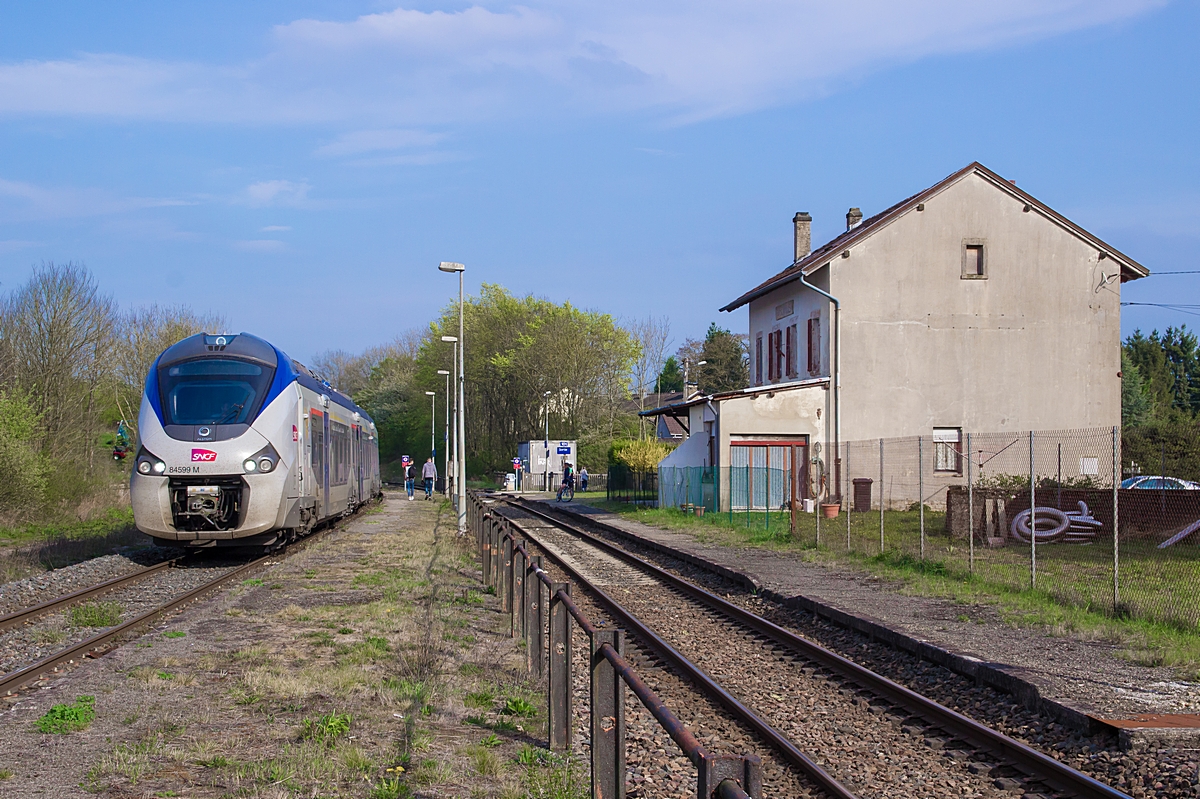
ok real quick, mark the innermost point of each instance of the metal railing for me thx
(541, 612)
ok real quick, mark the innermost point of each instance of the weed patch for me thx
(96, 614)
(62, 719)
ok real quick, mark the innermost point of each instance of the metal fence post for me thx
(485, 552)
(921, 488)
(518, 592)
(536, 640)
(559, 700)
(497, 537)
(970, 509)
(530, 602)
(1032, 518)
(608, 719)
(881, 496)
(849, 496)
(506, 575)
(1116, 464)
(713, 769)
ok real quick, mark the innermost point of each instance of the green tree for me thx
(1169, 367)
(23, 469)
(727, 366)
(671, 376)
(1135, 406)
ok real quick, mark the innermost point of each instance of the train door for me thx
(358, 452)
(325, 457)
(316, 448)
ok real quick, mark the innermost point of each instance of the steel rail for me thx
(25, 615)
(794, 755)
(15, 679)
(1024, 757)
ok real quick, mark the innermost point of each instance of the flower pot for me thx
(699, 510)
(830, 510)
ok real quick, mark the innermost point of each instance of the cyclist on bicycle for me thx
(568, 481)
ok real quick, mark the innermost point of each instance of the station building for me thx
(970, 305)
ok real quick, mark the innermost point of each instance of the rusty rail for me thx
(25, 615)
(1027, 759)
(523, 587)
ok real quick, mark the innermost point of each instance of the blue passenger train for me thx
(239, 445)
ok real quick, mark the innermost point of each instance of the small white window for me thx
(947, 449)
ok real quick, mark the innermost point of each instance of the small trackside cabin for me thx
(968, 306)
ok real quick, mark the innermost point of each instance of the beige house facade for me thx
(970, 306)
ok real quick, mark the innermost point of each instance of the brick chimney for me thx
(853, 218)
(802, 222)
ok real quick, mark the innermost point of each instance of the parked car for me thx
(1158, 482)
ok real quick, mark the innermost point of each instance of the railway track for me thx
(161, 578)
(851, 731)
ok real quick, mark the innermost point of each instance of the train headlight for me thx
(148, 463)
(263, 461)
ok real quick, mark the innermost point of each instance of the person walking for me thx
(583, 478)
(410, 479)
(429, 475)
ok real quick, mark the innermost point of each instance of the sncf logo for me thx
(203, 455)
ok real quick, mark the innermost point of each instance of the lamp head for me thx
(701, 363)
(451, 266)
(431, 393)
(443, 372)
(452, 339)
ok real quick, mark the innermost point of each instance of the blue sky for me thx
(302, 167)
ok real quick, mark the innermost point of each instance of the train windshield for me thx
(213, 391)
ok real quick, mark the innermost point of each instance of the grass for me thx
(96, 614)
(515, 706)
(174, 634)
(1158, 622)
(5, 773)
(62, 719)
(327, 729)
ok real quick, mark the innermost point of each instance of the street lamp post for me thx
(432, 422)
(450, 266)
(446, 438)
(453, 340)
(546, 442)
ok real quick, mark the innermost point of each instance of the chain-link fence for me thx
(1020, 510)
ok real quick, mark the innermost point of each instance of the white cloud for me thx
(400, 69)
(275, 192)
(21, 201)
(12, 245)
(260, 245)
(276, 228)
(370, 141)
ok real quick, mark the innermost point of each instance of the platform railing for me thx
(541, 609)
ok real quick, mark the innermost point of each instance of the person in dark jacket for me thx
(410, 479)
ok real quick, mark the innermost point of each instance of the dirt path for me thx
(367, 665)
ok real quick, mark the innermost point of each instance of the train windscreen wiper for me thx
(232, 414)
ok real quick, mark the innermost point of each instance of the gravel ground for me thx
(655, 766)
(873, 749)
(32, 591)
(1160, 772)
(21, 646)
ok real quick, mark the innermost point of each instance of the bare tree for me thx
(652, 336)
(144, 333)
(59, 332)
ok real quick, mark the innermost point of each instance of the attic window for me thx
(974, 260)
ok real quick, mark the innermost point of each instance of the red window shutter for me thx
(770, 356)
(816, 346)
(790, 358)
(758, 373)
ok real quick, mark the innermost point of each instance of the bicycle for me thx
(566, 492)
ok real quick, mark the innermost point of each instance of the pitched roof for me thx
(822, 256)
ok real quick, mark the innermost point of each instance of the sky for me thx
(301, 167)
